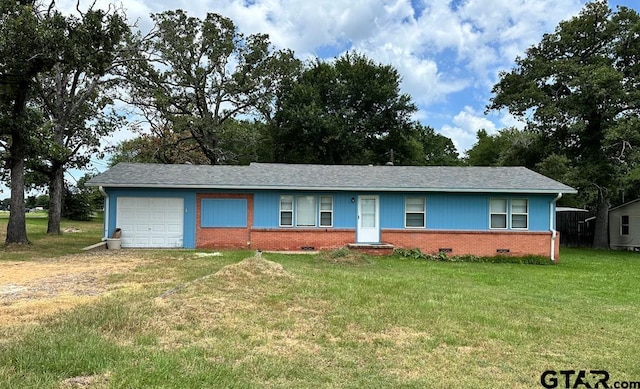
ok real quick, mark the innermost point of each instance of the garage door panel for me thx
(158, 228)
(151, 222)
(174, 229)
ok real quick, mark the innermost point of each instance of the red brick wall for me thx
(216, 237)
(294, 239)
(483, 243)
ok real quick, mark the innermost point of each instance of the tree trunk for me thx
(601, 234)
(56, 191)
(17, 227)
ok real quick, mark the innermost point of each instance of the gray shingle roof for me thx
(331, 177)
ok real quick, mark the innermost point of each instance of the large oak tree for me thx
(75, 96)
(578, 89)
(349, 111)
(30, 41)
(199, 74)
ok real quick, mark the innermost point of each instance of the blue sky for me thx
(449, 53)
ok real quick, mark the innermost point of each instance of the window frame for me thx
(318, 212)
(423, 212)
(281, 210)
(505, 213)
(325, 211)
(624, 225)
(512, 213)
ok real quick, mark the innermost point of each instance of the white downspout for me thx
(106, 214)
(554, 233)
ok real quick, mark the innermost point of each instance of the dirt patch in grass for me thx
(344, 256)
(32, 290)
(90, 381)
(251, 269)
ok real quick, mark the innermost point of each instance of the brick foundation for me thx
(285, 239)
(482, 243)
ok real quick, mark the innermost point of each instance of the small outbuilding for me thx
(264, 206)
(624, 226)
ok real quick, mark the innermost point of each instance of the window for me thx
(309, 211)
(498, 213)
(624, 225)
(305, 211)
(414, 212)
(519, 214)
(286, 211)
(326, 211)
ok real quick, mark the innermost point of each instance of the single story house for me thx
(624, 226)
(265, 206)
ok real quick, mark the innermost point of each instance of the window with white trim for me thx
(306, 211)
(498, 213)
(326, 211)
(624, 225)
(286, 211)
(519, 214)
(414, 212)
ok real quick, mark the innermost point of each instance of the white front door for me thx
(368, 219)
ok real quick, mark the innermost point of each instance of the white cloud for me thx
(465, 126)
(448, 56)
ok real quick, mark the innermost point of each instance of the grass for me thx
(339, 321)
(46, 246)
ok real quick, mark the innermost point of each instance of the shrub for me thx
(442, 256)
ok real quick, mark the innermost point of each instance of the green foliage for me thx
(81, 202)
(55, 65)
(30, 43)
(349, 111)
(436, 149)
(77, 206)
(443, 257)
(577, 90)
(508, 147)
(197, 55)
(243, 142)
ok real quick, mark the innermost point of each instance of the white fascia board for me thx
(340, 189)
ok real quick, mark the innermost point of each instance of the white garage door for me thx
(150, 221)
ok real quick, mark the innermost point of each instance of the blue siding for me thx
(224, 213)
(455, 211)
(267, 208)
(345, 212)
(392, 210)
(450, 211)
(189, 221)
(539, 213)
(445, 211)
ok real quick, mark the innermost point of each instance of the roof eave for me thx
(339, 189)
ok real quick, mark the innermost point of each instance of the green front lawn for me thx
(75, 236)
(352, 322)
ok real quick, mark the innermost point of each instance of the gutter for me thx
(554, 233)
(106, 214)
(339, 188)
